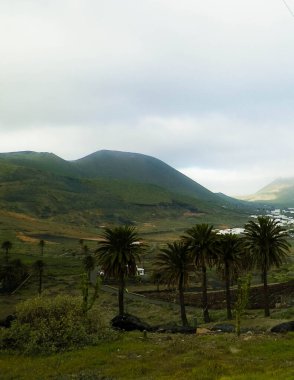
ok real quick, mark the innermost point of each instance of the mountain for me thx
(279, 192)
(140, 168)
(104, 186)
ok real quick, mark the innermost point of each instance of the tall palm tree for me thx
(42, 245)
(157, 278)
(39, 268)
(201, 240)
(174, 263)
(230, 252)
(268, 246)
(118, 252)
(6, 246)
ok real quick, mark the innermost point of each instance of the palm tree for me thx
(86, 250)
(157, 278)
(89, 263)
(118, 252)
(6, 245)
(174, 263)
(42, 244)
(266, 241)
(229, 249)
(200, 240)
(39, 268)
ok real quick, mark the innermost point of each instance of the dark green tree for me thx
(38, 267)
(268, 247)
(230, 254)
(6, 246)
(200, 240)
(157, 278)
(42, 245)
(86, 250)
(118, 253)
(175, 264)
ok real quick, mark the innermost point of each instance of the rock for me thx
(175, 329)
(129, 322)
(223, 327)
(283, 327)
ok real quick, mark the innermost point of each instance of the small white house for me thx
(140, 271)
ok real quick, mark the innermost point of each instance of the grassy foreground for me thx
(161, 356)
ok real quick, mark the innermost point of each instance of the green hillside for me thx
(140, 168)
(109, 187)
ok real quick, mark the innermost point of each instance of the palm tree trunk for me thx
(121, 294)
(40, 281)
(206, 316)
(265, 294)
(182, 301)
(228, 291)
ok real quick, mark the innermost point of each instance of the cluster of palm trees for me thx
(262, 245)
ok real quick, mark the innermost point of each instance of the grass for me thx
(258, 356)
(210, 357)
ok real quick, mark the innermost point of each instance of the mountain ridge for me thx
(279, 192)
(104, 185)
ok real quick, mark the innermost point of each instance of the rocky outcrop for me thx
(129, 322)
(283, 327)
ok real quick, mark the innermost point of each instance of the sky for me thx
(205, 86)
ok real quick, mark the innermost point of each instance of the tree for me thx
(6, 246)
(229, 250)
(268, 247)
(118, 252)
(42, 244)
(201, 240)
(174, 263)
(89, 263)
(157, 278)
(243, 288)
(86, 250)
(39, 268)
(81, 242)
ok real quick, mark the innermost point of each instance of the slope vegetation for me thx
(106, 186)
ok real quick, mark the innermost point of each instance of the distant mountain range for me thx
(279, 192)
(105, 186)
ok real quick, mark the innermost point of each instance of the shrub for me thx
(46, 325)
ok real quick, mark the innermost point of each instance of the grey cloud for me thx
(205, 84)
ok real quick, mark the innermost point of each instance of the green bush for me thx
(46, 325)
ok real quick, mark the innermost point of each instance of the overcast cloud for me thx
(206, 86)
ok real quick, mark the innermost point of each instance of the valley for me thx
(68, 204)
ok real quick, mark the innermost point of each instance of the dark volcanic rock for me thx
(129, 322)
(223, 327)
(175, 329)
(283, 327)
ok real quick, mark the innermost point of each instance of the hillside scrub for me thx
(47, 325)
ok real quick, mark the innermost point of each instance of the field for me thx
(131, 356)
(257, 354)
